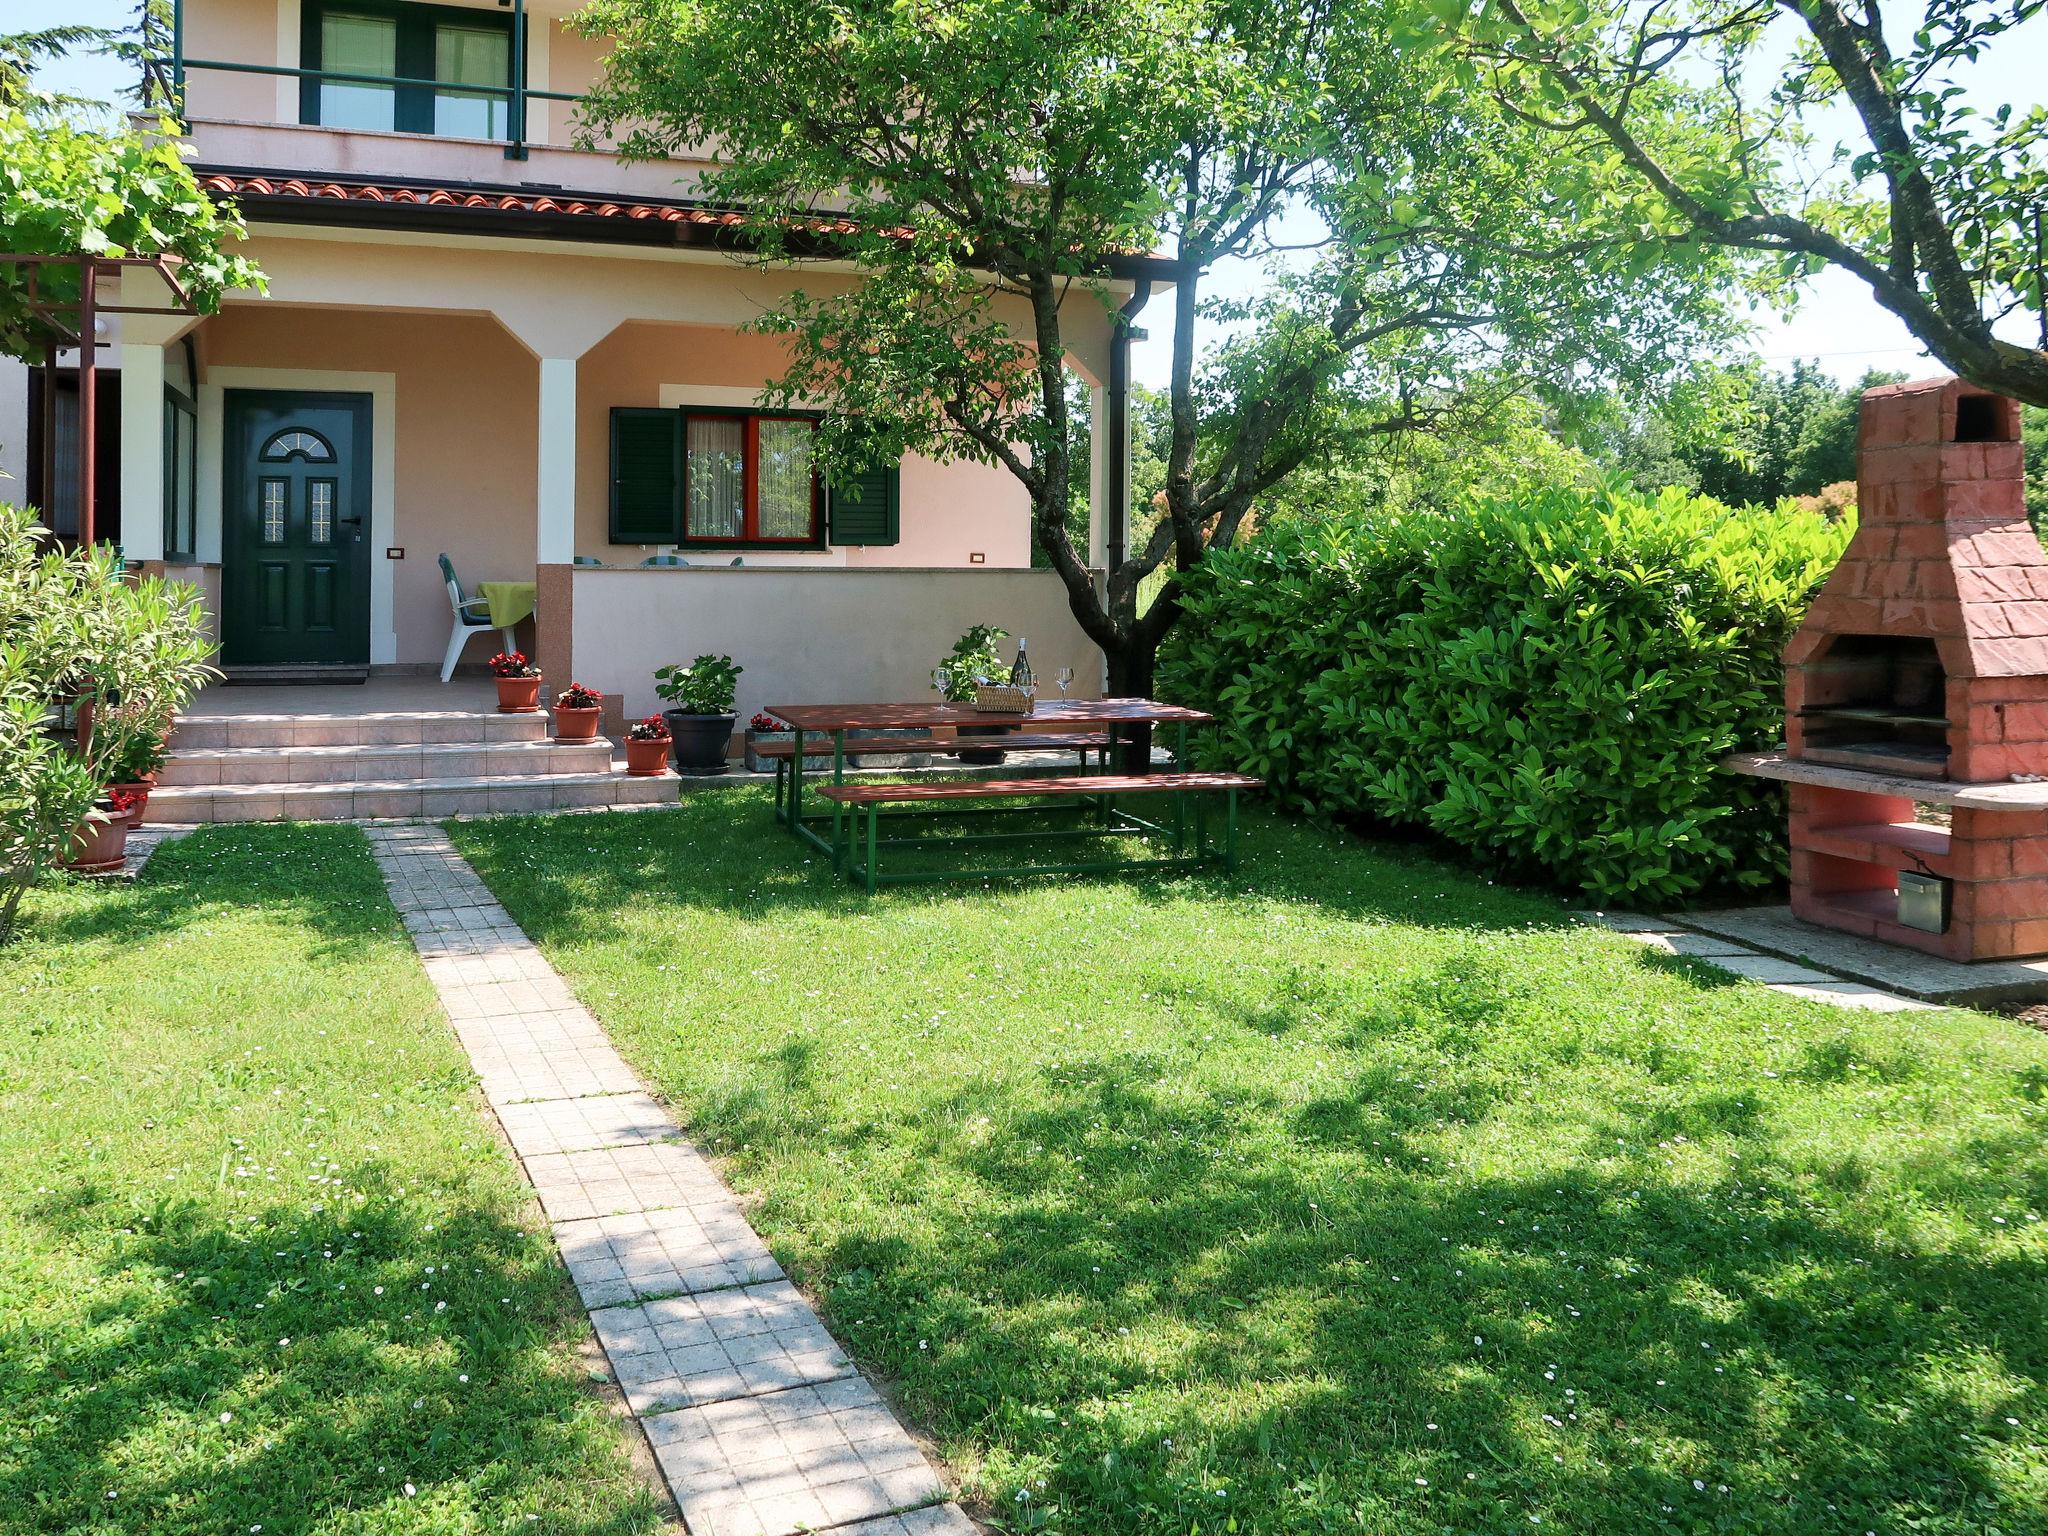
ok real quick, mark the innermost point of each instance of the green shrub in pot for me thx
(975, 654)
(700, 716)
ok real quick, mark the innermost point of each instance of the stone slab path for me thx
(1775, 972)
(759, 1422)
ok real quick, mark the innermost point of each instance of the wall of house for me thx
(14, 430)
(466, 403)
(815, 636)
(949, 512)
(267, 32)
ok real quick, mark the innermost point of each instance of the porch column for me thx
(555, 542)
(142, 451)
(554, 625)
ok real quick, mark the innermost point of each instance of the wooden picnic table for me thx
(836, 720)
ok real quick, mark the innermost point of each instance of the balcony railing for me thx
(516, 95)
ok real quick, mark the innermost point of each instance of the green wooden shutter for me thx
(647, 475)
(864, 507)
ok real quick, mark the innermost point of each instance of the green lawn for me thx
(1352, 1194)
(263, 1265)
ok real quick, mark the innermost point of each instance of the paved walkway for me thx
(1780, 975)
(758, 1420)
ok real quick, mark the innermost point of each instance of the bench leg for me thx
(1230, 833)
(779, 789)
(874, 816)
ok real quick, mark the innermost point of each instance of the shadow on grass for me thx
(721, 849)
(317, 877)
(1812, 1373)
(339, 1396)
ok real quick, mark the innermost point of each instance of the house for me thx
(484, 342)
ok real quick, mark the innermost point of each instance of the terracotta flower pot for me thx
(98, 847)
(646, 759)
(140, 789)
(576, 724)
(518, 695)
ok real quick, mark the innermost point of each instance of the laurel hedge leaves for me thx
(1548, 680)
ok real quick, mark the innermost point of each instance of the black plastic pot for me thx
(700, 741)
(980, 756)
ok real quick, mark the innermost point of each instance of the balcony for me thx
(481, 94)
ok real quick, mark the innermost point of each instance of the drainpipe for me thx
(1117, 477)
(88, 394)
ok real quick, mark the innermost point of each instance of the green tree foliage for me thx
(66, 189)
(983, 162)
(1715, 121)
(1766, 436)
(1547, 680)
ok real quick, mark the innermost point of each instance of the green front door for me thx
(295, 554)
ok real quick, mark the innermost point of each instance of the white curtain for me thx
(358, 45)
(715, 447)
(784, 470)
(471, 56)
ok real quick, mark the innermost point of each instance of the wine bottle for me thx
(1020, 672)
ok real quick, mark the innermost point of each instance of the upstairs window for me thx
(462, 57)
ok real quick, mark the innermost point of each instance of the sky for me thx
(1837, 324)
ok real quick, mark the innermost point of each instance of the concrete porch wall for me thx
(815, 636)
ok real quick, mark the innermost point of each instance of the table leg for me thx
(1230, 834)
(796, 783)
(838, 778)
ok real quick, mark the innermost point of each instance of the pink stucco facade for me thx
(493, 357)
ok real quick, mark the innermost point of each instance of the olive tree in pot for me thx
(701, 714)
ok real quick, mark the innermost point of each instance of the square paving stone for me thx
(703, 1349)
(576, 1125)
(607, 1181)
(663, 1253)
(806, 1458)
(679, 1252)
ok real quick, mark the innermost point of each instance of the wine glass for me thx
(941, 680)
(1065, 678)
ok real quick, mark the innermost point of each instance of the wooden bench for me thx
(1100, 789)
(781, 753)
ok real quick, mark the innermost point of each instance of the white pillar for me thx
(142, 451)
(555, 541)
(1098, 477)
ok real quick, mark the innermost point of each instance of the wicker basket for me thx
(1003, 699)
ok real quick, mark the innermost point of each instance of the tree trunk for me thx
(1131, 666)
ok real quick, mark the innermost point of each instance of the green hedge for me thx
(1547, 680)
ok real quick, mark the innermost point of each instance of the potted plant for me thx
(974, 655)
(518, 683)
(647, 744)
(702, 717)
(99, 844)
(576, 712)
(133, 738)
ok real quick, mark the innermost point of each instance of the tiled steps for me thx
(415, 760)
(317, 767)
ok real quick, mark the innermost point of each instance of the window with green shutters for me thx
(647, 476)
(710, 477)
(866, 506)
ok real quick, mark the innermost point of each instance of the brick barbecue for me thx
(1920, 676)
